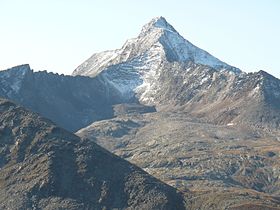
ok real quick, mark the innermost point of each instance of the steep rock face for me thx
(219, 97)
(71, 102)
(133, 68)
(157, 38)
(45, 167)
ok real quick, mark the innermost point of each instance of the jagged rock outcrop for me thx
(71, 102)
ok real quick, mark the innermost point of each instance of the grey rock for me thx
(71, 102)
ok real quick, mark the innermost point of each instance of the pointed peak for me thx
(262, 72)
(157, 22)
(20, 69)
(23, 66)
(266, 75)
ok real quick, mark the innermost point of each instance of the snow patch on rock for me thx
(134, 69)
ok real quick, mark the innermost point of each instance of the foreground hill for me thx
(44, 167)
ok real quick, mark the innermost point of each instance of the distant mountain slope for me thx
(71, 102)
(45, 167)
(219, 97)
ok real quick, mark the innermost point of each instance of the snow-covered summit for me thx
(158, 22)
(136, 67)
(157, 37)
(176, 48)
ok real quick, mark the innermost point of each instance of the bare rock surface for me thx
(161, 68)
(43, 166)
(217, 166)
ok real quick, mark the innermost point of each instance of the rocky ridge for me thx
(71, 102)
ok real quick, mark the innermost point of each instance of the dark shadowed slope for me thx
(71, 102)
(45, 167)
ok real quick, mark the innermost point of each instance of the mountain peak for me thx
(157, 22)
(160, 22)
(22, 66)
(20, 69)
(132, 70)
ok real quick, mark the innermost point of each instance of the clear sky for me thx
(58, 35)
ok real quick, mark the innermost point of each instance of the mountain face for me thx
(45, 167)
(160, 68)
(158, 41)
(71, 102)
(219, 97)
(135, 67)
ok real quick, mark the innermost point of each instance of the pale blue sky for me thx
(58, 35)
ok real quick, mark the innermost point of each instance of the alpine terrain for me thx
(215, 132)
(71, 102)
(207, 130)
